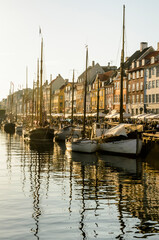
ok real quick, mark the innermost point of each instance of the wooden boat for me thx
(116, 140)
(41, 134)
(81, 145)
(9, 127)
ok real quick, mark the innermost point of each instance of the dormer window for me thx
(133, 64)
(152, 60)
(143, 62)
(138, 63)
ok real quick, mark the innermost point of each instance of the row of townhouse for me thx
(140, 88)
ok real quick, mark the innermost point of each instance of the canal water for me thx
(48, 193)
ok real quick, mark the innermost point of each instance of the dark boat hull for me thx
(41, 134)
(9, 128)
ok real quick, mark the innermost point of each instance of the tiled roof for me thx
(107, 75)
(136, 56)
(152, 54)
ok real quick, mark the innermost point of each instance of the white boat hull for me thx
(128, 146)
(86, 146)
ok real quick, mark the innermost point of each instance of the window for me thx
(157, 98)
(149, 85)
(129, 76)
(153, 71)
(141, 86)
(133, 98)
(149, 98)
(153, 98)
(143, 62)
(153, 84)
(137, 86)
(157, 71)
(137, 98)
(137, 74)
(149, 72)
(133, 87)
(141, 98)
(124, 84)
(136, 111)
(157, 83)
(142, 73)
(124, 97)
(152, 60)
(128, 87)
(146, 99)
(133, 75)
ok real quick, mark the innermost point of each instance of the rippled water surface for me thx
(49, 193)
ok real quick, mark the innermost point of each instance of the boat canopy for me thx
(116, 131)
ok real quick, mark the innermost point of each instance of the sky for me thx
(67, 26)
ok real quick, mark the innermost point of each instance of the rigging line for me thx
(118, 51)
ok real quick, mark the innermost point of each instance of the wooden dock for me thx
(150, 137)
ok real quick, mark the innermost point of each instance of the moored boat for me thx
(9, 127)
(41, 134)
(81, 145)
(117, 140)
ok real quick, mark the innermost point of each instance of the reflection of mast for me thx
(70, 196)
(120, 212)
(83, 203)
(36, 195)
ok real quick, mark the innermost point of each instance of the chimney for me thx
(143, 45)
(93, 63)
(158, 46)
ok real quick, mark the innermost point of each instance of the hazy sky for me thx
(67, 26)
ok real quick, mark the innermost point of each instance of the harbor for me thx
(48, 191)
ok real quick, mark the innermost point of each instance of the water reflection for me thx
(84, 167)
(101, 196)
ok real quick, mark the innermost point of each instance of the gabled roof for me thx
(138, 55)
(152, 54)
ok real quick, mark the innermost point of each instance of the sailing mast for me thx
(41, 76)
(98, 100)
(50, 96)
(85, 94)
(33, 104)
(37, 96)
(26, 98)
(72, 97)
(122, 70)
